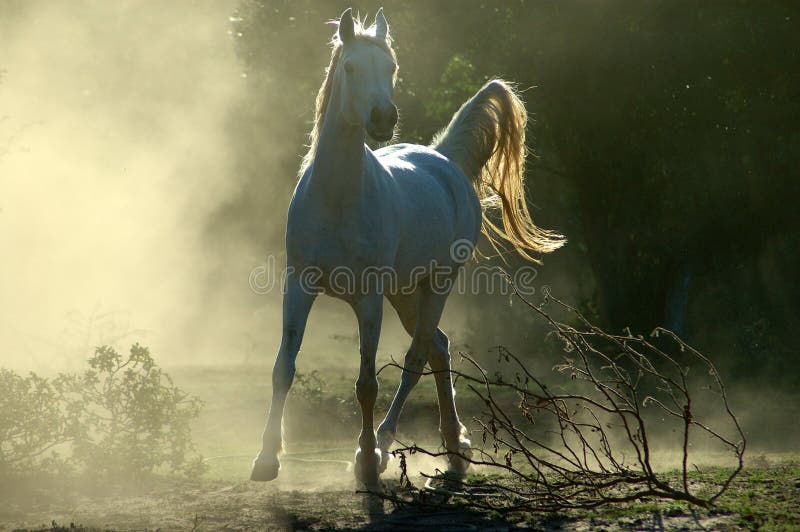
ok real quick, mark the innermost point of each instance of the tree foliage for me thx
(665, 142)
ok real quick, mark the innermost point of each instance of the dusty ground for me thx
(320, 494)
(763, 498)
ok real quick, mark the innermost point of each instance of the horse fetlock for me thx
(459, 451)
(465, 447)
(459, 463)
(385, 437)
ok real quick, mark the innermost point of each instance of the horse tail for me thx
(486, 139)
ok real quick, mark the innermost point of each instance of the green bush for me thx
(123, 415)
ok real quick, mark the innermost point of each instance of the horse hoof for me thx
(371, 485)
(366, 468)
(459, 463)
(265, 470)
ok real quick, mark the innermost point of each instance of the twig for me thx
(597, 422)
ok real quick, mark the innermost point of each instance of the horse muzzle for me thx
(382, 120)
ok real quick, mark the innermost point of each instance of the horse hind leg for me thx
(406, 306)
(413, 367)
(454, 433)
(431, 343)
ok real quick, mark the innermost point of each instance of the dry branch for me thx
(587, 443)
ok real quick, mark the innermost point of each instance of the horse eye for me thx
(348, 67)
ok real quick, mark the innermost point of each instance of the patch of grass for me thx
(766, 498)
(760, 499)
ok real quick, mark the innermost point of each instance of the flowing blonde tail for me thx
(486, 139)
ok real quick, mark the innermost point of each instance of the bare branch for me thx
(569, 449)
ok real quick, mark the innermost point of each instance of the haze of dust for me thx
(112, 154)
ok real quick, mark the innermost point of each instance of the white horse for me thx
(391, 222)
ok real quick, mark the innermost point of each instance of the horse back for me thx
(435, 202)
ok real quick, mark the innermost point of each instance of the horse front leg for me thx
(369, 311)
(297, 303)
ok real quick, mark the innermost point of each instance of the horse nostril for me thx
(375, 116)
(383, 117)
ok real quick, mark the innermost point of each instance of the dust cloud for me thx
(117, 155)
(113, 154)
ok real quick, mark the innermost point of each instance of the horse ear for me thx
(381, 26)
(347, 29)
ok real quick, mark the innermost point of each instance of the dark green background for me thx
(665, 140)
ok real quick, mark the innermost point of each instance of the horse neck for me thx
(338, 167)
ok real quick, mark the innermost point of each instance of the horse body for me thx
(439, 206)
(412, 204)
(365, 225)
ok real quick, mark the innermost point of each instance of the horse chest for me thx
(331, 247)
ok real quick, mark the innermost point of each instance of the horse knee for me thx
(284, 369)
(291, 336)
(283, 372)
(366, 388)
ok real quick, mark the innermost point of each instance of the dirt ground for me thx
(764, 498)
(315, 491)
(245, 506)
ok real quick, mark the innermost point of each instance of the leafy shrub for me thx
(137, 419)
(123, 415)
(35, 417)
(314, 389)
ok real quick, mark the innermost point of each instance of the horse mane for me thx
(362, 33)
